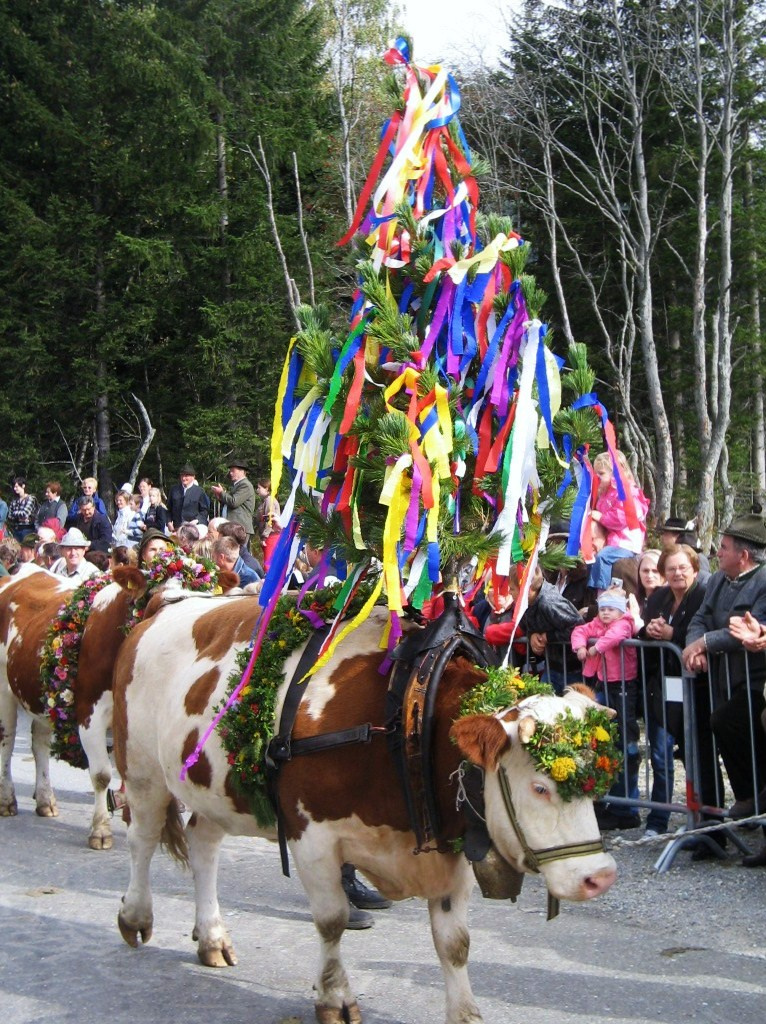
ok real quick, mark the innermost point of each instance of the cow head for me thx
(545, 818)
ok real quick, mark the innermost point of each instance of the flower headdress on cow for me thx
(439, 430)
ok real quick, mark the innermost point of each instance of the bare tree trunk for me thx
(146, 441)
(293, 296)
(759, 427)
(223, 185)
(101, 427)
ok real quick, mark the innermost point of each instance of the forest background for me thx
(174, 177)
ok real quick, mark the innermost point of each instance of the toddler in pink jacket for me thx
(598, 642)
(597, 645)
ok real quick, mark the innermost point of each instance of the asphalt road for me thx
(687, 945)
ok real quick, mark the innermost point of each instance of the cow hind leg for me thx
(93, 739)
(153, 816)
(449, 927)
(321, 878)
(214, 947)
(8, 715)
(45, 798)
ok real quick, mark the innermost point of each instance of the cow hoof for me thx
(47, 810)
(131, 933)
(349, 1013)
(10, 809)
(218, 957)
(97, 842)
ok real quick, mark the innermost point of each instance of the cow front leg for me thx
(318, 866)
(8, 715)
(449, 927)
(45, 798)
(93, 739)
(214, 947)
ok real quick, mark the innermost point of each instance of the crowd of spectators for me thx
(572, 628)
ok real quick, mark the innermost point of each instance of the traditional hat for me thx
(750, 528)
(187, 470)
(238, 463)
(673, 525)
(152, 534)
(559, 528)
(30, 540)
(74, 538)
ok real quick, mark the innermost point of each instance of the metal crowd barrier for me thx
(696, 698)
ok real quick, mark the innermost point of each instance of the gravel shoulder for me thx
(689, 944)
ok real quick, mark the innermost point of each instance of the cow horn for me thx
(527, 726)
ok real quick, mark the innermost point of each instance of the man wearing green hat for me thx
(739, 586)
(238, 500)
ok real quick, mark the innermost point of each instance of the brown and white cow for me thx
(28, 603)
(339, 805)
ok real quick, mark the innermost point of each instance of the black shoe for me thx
(358, 920)
(755, 860)
(607, 821)
(704, 851)
(363, 897)
(742, 808)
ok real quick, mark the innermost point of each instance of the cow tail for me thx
(173, 836)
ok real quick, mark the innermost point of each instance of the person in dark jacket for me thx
(739, 586)
(668, 611)
(187, 502)
(94, 526)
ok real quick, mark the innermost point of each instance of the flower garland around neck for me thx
(581, 755)
(247, 728)
(174, 567)
(58, 669)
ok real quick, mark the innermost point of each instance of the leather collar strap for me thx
(533, 859)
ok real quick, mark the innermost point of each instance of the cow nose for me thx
(597, 883)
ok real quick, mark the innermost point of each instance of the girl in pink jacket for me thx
(598, 646)
(622, 540)
(603, 635)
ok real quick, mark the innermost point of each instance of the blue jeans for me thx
(661, 746)
(600, 574)
(558, 679)
(624, 703)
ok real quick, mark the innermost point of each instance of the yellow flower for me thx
(283, 643)
(562, 768)
(56, 643)
(601, 734)
(245, 690)
(577, 739)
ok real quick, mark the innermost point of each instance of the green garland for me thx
(504, 687)
(580, 754)
(247, 728)
(58, 670)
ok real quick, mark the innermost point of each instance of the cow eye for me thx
(541, 789)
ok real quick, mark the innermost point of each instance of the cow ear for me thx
(130, 578)
(480, 738)
(227, 580)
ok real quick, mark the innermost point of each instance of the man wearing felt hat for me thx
(72, 563)
(738, 587)
(239, 500)
(187, 502)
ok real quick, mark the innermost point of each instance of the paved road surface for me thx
(625, 958)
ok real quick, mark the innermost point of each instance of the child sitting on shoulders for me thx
(623, 540)
(597, 644)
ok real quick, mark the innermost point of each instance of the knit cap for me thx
(613, 599)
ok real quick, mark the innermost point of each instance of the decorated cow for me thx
(339, 790)
(58, 642)
(28, 603)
